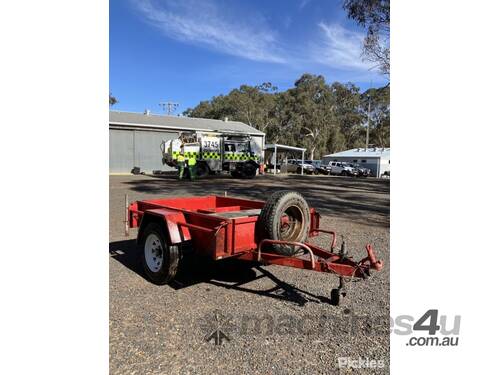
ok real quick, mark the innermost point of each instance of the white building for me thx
(378, 160)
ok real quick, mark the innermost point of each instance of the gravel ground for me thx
(162, 330)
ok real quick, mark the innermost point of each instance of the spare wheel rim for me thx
(290, 229)
(153, 252)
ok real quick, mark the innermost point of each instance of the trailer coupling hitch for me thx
(362, 270)
(364, 265)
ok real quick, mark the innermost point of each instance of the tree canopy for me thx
(112, 100)
(375, 16)
(322, 117)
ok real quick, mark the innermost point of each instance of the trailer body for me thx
(221, 227)
(217, 226)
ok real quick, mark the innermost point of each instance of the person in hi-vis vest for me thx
(191, 161)
(181, 163)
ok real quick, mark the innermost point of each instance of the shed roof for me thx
(283, 147)
(179, 123)
(372, 152)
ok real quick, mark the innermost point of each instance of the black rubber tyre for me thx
(202, 170)
(288, 205)
(343, 173)
(336, 296)
(248, 171)
(170, 254)
(235, 174)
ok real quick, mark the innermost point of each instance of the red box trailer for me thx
(271, 232)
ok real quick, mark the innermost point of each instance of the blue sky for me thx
(187, 51)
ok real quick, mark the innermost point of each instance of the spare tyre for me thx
(285, 217)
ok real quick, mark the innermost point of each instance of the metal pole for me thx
(302, 164)
(368, 124)
(275, 158)
(126, 216)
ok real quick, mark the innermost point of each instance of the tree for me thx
(347, 106)
(112, 100)
(313, 114)
(249, 104)
(375, 16)
(379, 115)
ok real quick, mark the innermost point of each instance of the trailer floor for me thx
(277, 319)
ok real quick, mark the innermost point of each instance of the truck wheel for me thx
(343, 173)
(160, 260)
(248, 171)
(285, 216)
(202, 170)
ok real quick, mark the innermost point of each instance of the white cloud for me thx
(340, 48)
(303, 3)
(202, 23)
(249, 36)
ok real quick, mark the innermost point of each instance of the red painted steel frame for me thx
(212, 234)
(196, 218)
(323, 261)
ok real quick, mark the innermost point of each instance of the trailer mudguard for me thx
(173, 221)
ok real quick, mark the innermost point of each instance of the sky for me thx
(186, 51)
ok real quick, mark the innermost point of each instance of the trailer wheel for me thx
(160, 260)
(286, 217)
(336, 296)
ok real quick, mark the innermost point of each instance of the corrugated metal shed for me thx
(179, 123)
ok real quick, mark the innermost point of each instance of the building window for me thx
(363, 161)
(355, 160)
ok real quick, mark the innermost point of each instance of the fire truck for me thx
(235, 153)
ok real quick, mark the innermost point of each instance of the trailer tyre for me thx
(160, 260)
(286, 217)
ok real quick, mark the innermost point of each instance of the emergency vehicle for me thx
(235, 153)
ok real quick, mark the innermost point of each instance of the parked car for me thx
(298, 165)
(316, 164)
(339, 168)
(361, 171)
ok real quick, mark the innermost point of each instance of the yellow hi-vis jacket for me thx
(180, 158)
(191, 161)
